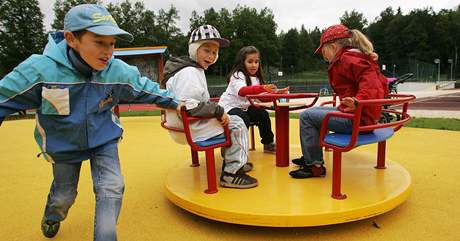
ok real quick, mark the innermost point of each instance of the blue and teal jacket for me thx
(74, 103)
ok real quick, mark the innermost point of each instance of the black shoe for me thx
(308, 171)
(299, 161)
(270, 148)
(50, 228)
(248, 167)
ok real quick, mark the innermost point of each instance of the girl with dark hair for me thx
(244, 79)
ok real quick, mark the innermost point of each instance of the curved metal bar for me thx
(274, 97)
(188, 119)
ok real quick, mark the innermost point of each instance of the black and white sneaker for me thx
(270, 148)
(238, 180)
(248, 167)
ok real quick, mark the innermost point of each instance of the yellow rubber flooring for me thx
(148, 155)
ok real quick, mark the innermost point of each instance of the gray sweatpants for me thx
(236, 155)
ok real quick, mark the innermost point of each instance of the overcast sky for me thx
(288, 13)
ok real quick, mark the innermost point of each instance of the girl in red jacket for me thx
(353, 75)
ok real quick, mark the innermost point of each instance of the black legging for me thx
(260, 118)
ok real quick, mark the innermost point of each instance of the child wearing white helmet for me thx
(186, 80)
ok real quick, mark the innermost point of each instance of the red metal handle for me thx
(356, 117)
(274, 97)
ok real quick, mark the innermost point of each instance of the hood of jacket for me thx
(174, 64)
(58, 50)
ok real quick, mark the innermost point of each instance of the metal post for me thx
(451, 62)
(438, 62)
(439, 71)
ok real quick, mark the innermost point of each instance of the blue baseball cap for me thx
(94, 18)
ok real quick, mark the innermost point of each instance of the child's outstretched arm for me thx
(21, 88)
(137, 89)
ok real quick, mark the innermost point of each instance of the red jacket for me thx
(354, 74)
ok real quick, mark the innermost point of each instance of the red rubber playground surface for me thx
(448, 102)
(444, 102)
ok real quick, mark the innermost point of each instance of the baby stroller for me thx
(394, 82)
(387, 115)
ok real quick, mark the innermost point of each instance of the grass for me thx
(435, 123)
(427, 123)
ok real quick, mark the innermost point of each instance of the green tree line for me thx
(400, 39)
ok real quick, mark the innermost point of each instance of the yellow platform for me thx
(282, 201)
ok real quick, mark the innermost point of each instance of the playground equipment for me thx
(207, 146)
(362, 135)
(281, 201)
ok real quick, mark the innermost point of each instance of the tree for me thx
(168, 33)
(137, 20)
(449, 29)
(251, 27)
(290, 46)
(167, 21)
(61, 7)
(243, 26)
(21, 32)
(354, 20)
(147, 27)
(306, 49)
(378, 35)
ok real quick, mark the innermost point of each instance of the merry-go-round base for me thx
(281, 201)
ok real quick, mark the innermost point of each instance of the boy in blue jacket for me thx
(74, 86)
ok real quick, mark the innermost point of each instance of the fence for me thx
(423, 71)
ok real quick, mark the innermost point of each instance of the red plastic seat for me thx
(207, 146)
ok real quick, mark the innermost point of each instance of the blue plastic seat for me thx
(213, 141)
(375, 136)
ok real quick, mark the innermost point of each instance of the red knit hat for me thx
(334, 32)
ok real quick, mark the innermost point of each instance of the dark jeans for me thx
(260, 118)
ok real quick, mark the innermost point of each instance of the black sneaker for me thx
(238, 180)
(248, 167)
(50, 228)
(308, 171)
(270, 148)
(299, 161)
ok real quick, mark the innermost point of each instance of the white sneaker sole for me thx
(230, 185)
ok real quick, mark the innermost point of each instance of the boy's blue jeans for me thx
(108, 187)
(310, 125)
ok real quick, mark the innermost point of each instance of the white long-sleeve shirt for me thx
(230, 98)
(189, 85)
